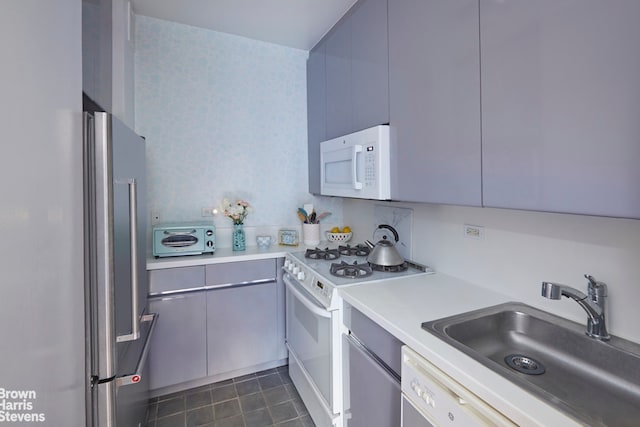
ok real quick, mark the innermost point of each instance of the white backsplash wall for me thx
(224, 116)
(521, 249)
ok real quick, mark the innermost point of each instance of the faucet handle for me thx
(591, 279)
(597, 289)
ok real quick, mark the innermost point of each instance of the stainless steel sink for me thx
(596, 382)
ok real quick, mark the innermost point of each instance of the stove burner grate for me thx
(358, 250)
(390, 268)
(325, 254)
(351, 271)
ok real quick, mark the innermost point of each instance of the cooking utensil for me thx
(303, 215)
(385, 231)
(322, 216)
(385, 256)
(384, 253)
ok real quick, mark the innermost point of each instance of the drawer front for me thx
(233, 273)
(176, 279)
(374, 337)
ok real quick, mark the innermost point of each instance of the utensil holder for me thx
(311, 234)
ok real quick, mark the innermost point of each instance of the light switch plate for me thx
(399, 218)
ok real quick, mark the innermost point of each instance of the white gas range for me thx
(314, 320)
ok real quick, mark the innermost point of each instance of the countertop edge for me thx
(221, 255)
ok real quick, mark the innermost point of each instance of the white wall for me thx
(224, 116)
(521, 249)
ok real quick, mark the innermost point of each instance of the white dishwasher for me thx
(430, 398)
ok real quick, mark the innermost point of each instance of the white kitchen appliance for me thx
(430, 398)
(357, 165)
(314, 321)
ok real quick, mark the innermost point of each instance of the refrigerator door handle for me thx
(136, 377)
(133, 232)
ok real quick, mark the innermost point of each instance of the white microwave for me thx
(357, 165)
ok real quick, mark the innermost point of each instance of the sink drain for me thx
(524, 364)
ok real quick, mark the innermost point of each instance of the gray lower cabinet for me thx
(434, 96)
(560, 104)
(242, 329)
(245, 316)
(371, 373)
(178, 350)
(215, 322)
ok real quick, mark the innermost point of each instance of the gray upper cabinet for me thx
(369, 65)
(97, 51)
(434, 96)
(316, 113)
(348, 80)
(338, 75)
(560, 103)
(108, 56)
(356, 70)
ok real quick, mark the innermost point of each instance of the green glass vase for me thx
(239, 239)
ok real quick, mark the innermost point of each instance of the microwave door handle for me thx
(354, 167)
(133, 241)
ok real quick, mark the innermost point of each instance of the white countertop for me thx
(222, 255)
(400, 306)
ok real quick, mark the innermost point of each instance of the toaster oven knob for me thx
(209, 232)
(209, 244)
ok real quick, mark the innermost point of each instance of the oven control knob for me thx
(286, 263)
(295, 270)
(301, 275)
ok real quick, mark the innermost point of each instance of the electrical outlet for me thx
(155, 216)
(473, 232)
(207, 211)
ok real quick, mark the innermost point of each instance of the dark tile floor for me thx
(262, 399)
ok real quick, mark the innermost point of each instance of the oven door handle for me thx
(315, 309)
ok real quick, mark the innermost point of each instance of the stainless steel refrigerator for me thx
(117, 324)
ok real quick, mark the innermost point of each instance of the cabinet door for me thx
(97, 51)
(178, 350)
(338, 75)
(242, 327)
(123, 61)
(560, 103)
(434, 95)
(369, 64)
(316, 113)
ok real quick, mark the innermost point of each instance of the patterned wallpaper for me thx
(224, 116)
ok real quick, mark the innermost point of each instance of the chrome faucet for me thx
(593, 303)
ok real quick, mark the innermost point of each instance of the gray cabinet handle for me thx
(133, 242)
(136, 377)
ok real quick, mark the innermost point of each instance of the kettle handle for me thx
(393, 230)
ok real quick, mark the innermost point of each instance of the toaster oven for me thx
(183, 239)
